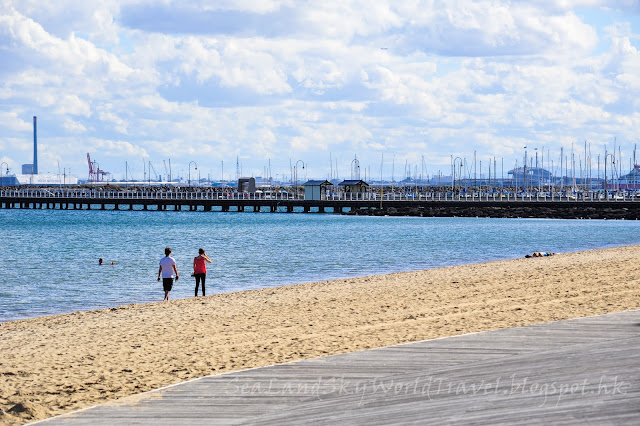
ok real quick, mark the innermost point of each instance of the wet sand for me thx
(51, 365)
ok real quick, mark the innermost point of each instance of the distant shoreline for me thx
(56, 364)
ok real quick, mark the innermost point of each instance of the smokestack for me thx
(35, 145)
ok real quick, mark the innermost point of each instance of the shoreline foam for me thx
(51, 365)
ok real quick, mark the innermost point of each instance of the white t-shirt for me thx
(167, 264)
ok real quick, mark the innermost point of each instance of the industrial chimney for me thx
(35, 145)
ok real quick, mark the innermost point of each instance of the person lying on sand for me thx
(539, 254)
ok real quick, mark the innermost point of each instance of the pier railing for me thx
(27, 193)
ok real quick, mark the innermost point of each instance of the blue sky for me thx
(275, 82)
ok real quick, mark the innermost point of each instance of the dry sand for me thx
(51, 365)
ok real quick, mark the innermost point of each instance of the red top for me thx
(199, 265)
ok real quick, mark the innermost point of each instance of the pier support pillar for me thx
(307, 209)
(225, 208)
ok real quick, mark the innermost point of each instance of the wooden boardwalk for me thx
(573, 371)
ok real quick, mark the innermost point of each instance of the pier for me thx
(370, 203)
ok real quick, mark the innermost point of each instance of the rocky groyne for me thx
(512, 210)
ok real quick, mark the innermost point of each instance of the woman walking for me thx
(200, 269)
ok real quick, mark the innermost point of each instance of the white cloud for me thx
(74, 126)
(14, 121)
(288, 80)
(120, 149)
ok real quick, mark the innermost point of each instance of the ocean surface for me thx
(49, 258)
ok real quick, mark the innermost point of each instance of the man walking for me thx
(167, 268)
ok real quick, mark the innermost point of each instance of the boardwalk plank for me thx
(572, 371)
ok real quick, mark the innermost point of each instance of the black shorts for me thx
(167, 283)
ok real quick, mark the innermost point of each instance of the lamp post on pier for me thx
(355, 169)
(295, 170)
(5, 163)
(524, 172)
(459, 174)
(196, 168)
(613, 161)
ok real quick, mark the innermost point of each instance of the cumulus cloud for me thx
(74, 126)
(288, 80)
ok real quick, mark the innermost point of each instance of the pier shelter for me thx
(247, 184)
(316, 189)
(354, 188)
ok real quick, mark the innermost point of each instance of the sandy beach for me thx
(51, 365)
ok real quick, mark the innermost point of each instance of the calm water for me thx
(49, 259)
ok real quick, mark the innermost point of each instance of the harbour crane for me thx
(95, 174)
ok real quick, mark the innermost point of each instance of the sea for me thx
(49, 258)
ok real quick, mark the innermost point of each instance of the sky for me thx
(398, 88)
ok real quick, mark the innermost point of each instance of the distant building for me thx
(39, 179)
(8, 180)
(529, 176)
(629, 181)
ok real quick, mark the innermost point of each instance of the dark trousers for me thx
(200, 277)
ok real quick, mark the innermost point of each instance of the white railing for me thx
(330, 196)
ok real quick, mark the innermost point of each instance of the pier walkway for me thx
(576, 371)
(202, 200)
